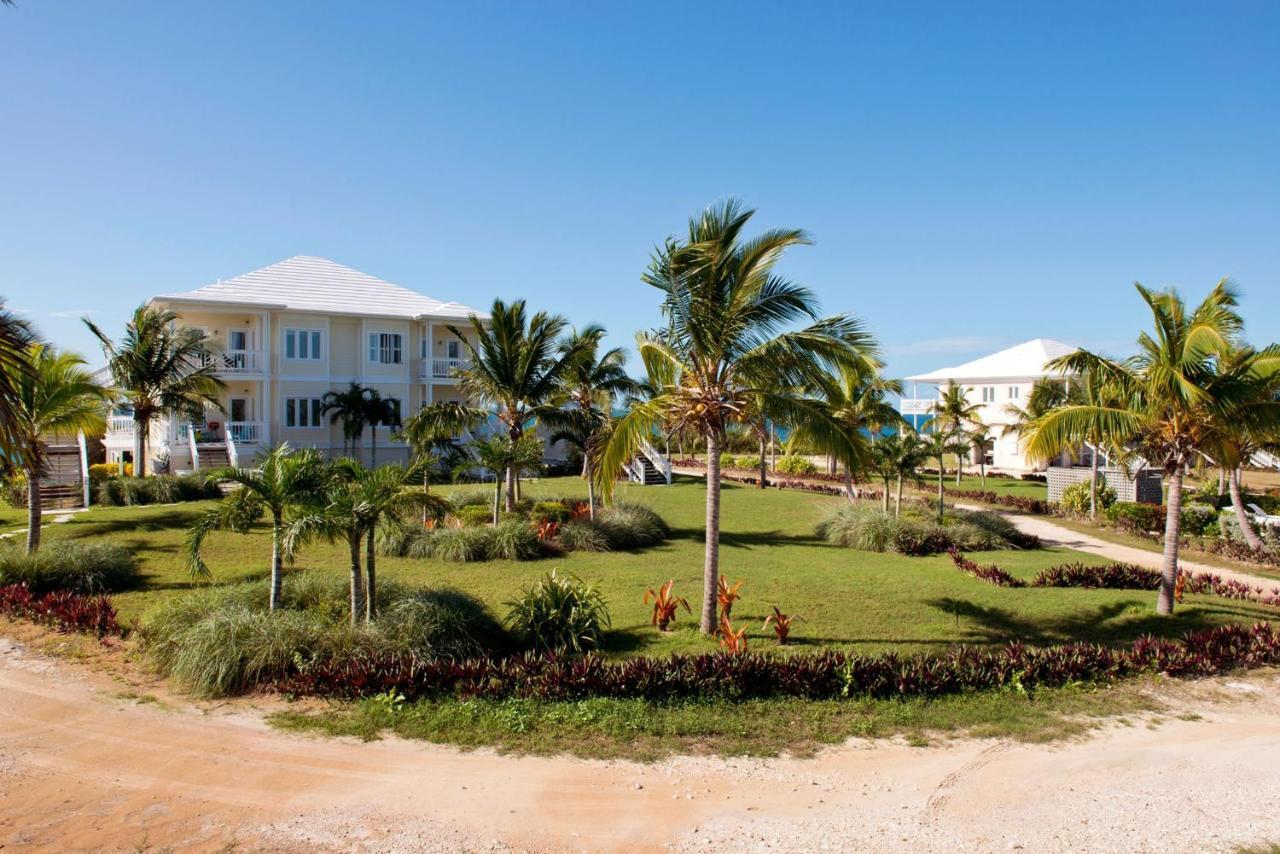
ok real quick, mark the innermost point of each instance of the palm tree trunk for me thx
(34, 511)
(897, 499)
(711, 560)
(941, 498)
(511, 488)
(1242, 516)
(1093, 484)
(140, 464)
(1172, 530)
(497, 495)
(373, 446)
(1222, 481)
(885, 497)
(959, 467)
(591, 488)
(277, 563)
(371, 577)
(764, 468)
(357, 580)
(848, 483)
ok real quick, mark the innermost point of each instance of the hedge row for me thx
(64, 611)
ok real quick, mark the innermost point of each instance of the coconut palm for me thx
(15, 337)
(590, 384)
(857, 399)
(1167, 398)
(160, 367)
(501, 454)
(431, 434)
(726, 310)
(938, 441)
(53, 394)
(379, 410)
(515, 366)
(896, 457)
(955, 412)
(284, 482)
(349, 407)
(980, 440)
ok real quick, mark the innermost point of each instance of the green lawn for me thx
(871, 602)
(999, 485)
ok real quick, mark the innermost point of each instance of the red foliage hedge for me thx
(66, 612)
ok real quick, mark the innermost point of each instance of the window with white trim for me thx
(453, 349)
(303, 412)
(303, 345)
(386, 348)
(1015, 392)
(988, 394)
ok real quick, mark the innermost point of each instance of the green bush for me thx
(473, 515)
(867, 528)
(1075, 498)
(13, 489)
(632, 526)
(161, 489)
(224, 641)
(1199, 521)
(795, 465)
(459, 545)
(73, 566)
(997, 526)
(1140, 518)
(549, 511)
(559, 614)
(917, 538)
(512, 539)
(860, 526)
(583, 535)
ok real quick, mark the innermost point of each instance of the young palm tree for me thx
(53, 393)
(160, 368)
(335, 515)
(955, 412)
(980, 439)
(591, 383)
(939, 440)
(1167, 398)
(501, 454)
(15, 337)
(858, 401)
(727, 310)
(283, 483)
(350, 407)
(895, 458)
(431, 435)
(515, 367)
(378, 410)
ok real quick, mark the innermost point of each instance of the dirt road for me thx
(82, 767)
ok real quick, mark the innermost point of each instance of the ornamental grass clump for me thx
(70, 566)
(559, 613)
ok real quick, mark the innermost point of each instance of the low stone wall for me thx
(1144, 487)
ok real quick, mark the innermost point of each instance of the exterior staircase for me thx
(214, 457)
(62, 487)
(649, 467)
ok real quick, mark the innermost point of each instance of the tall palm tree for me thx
(432, 432)
(378, 410)
(15, 337)
(160, 367)
(283, 483)
(349, 407)
(858, 400)
(727, 308)
(590, 384)
(1167, 398)
(515, 367)
(955, 412)
(53, 393)
(939, 440)
(896, 457)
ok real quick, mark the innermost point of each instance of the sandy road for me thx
(81, 769)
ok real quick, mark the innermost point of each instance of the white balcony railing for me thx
(245, 432)
(440, 368)
(236, 361)
(917, 405)
(121, 424)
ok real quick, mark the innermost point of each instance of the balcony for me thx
(917, 405)
(121, 424)
(236, 361)
(245, 432)
(440, 368)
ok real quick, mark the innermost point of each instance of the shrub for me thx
(61, 609)
(918, 539)
(795, 465)
(1075, 498)
(1136, 518)
(99, 472)
(13, 488)
(860, 526)
(1115, 576)
(459, 545)
(474, 515)
(991, 574)
(1199, 521)
(443, 624)
(70, 566)
(559, 614)
(583, 535)
(549, 511)
(512, 539)
(632, 526)
(161, 489)
(1005, 532)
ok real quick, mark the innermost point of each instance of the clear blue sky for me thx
(972, 174)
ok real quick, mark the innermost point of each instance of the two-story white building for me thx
(994, 384)
(285, 335)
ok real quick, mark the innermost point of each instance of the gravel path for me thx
(84, 768)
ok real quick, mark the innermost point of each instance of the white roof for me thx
(307, 283)
(1025, 360)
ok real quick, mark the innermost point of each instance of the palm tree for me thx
(350, 408)
(283, 482)
(1167, 398)
(431, 432)
(160, 367)
(335, 515)
(896, 457)
(858, 401)
(955, 412)
(591, 382)
(980, 439)
(53, 393)
(379, 410)
(939, 440)
(726, 309)
(503, 454)
(515, 367)
(15, 337)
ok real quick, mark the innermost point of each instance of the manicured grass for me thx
(12, 518)
(998, 484)
(849, 599)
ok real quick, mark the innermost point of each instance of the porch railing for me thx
(121, 424)
(917, 405)
(235, 361)
(245, 432)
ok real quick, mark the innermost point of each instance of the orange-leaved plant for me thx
(781, 624)
(665, 605)
(727, 595)
(729, 639)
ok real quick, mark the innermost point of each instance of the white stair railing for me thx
(634, 469)
(658, 459)
(195, 450)
(84, 468)
(233, 454)
(1265, 459)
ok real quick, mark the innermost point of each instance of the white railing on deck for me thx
(658, 459)
(917, 405)
(244, 432)
(446, 367)
(120, 424)
(195, 450)
(235, 361)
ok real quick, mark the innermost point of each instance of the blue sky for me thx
(972, 174)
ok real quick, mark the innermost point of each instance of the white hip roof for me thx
(1022, 361)
(308, 284)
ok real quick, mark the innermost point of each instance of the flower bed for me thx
(829, 675)
(64, 611)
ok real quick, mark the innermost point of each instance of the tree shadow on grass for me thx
(167, 521)
(748, 539)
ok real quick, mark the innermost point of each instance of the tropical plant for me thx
(980, 439)
(348, 407)
(501, 454)
(665, 605)
(283, 482)
(895, 458)
(516, 367)
(858, 400)
(938, 441)
(379, 410)
(954, 412)
(730, 640)
(781, 624)
(160, 367)
(54, 394)
(70, 565)
(727, 595)
(1167, 398)
(726, 351)
(559, 613)
(15, 338)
